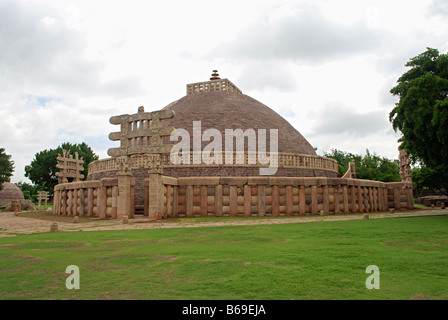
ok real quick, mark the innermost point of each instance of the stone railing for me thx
(214, 85)
(286, 160)
(238, 196)
(400, 195)
(88, 198)
(272, 196)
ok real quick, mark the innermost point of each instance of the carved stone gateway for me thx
(69, 167)
(42, 196)
(141, 133)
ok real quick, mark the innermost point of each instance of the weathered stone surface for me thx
(15, 206)
(54, 227)
(405, 166)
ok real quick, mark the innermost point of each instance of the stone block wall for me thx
(239, 196)
(400, 195)
(272, 196)
(88, 198)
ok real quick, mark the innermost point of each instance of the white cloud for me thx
(327, 66)
(302, 34)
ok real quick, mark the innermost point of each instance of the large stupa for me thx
(162, 167)
(219, 104)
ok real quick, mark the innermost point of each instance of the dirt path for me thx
(11, 225)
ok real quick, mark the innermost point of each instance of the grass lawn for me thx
(318, 260)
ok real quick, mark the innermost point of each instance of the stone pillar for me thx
(114, 212)
(175, 201)
(380, 199)
(275, 200)
(70, 202)
(124, 194)
(314, 200)
(155, 206)
(397, 204)
(101, 202)
(189, 201)
(64, 201)
(302, 201)
(367, 206)
(81, 202)
(360, 200)
(261, 201)
(167, 204)
(233, 201)
(55, 202)
(75, 202)
(336, 200)
(375, 198)
(345, 198)
(325, 199)
(289, 209)
(90, 202)
(131, 215)
(203, 199)
(146, 198)
(218, 200)
(353, 196)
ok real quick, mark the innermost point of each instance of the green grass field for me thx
(318, 260)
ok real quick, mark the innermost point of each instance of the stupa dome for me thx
(10, 191)
(233, 110)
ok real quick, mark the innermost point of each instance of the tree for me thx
(6, 167)
(29, 191)
(369, 167)
(42, 170)
(426, 178)
(422, 112)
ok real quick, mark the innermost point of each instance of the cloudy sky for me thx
(66, 66)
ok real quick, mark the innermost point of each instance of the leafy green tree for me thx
(6, 167)
(422, 112)
(343, 159)
(29, 191)
(369, 167)
(426, 178)
(42, 170)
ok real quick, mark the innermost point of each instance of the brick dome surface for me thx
(232, 110)
(10, 191)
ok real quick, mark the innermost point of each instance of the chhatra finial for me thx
(215, 75)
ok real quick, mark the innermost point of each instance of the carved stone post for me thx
(155, 206)
(124, 194)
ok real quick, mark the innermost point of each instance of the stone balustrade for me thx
(285, 160)
(88, 198)
(239, 196)
(272, 196)
(214, 85)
